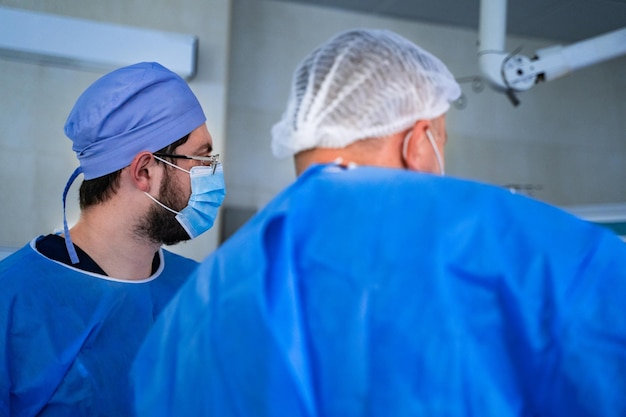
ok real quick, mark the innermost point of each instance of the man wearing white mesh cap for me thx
(367, 288)
(371, 98)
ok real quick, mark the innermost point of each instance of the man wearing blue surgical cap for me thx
(374, 286)
(76, 306)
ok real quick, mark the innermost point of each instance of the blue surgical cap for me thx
(142, 107)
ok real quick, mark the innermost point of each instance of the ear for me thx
(416, 146)
(143, 171)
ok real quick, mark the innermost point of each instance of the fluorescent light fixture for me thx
(84, 44)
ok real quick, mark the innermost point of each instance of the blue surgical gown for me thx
(381, 292)
(68, 337)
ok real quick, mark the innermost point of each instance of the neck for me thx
(383, 152)
(112, 243)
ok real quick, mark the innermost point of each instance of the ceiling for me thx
(566, 21)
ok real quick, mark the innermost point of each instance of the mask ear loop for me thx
(157, 201)
(431, 139)
(405, 144)
(161, 204)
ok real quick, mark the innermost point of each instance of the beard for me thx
(160, 225)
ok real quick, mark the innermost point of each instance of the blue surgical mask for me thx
(207, 193)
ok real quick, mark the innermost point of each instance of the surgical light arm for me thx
(513, 73)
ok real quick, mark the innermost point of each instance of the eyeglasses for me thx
(207, 161)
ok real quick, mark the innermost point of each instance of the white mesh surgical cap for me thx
(361, 84)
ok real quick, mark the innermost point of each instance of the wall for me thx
(565, 139)
(35, 156)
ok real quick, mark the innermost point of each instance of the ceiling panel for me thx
(562, 20)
